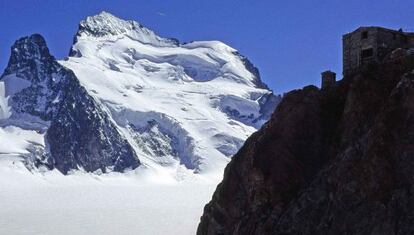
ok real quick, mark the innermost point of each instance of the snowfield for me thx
(82, 203)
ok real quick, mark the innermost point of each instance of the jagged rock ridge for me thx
(336, 161)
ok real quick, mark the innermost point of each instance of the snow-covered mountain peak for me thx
(125, 44)
(105, 26)
(190, 105)
(105, 23)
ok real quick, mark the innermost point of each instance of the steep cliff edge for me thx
(335, 161)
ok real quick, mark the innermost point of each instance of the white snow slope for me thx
(50, 203)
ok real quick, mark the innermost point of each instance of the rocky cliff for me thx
(334, 161)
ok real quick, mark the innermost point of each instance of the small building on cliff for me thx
(328, 79)
(372, 44)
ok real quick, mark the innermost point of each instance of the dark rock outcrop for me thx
(253, 69)
(336, 161)
(79, 133)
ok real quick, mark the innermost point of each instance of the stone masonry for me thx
(372, 44)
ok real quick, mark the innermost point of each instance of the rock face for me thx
(337, 161)
(78, 132)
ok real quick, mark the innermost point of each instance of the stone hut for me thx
(372, 44)
(328, 79)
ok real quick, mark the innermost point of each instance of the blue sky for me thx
(290, 42)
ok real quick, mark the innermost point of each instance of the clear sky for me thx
(290, 42)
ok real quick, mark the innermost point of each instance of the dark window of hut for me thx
(364, 35)
(367, 53)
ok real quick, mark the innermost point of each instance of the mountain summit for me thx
(105, 25)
